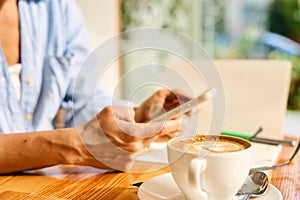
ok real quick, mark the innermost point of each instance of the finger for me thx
(165, 100)
(179, 96)
(156, 110)
(170, 127)
(130, 132)
(141, 135)
(167, 137)
(176, 98)
(123, 113)
(159, 128)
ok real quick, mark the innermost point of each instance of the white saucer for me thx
(163, 187)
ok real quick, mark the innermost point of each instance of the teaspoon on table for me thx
(255, 184)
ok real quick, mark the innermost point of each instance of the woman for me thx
(43, 44)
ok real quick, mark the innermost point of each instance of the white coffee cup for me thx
(209, 166)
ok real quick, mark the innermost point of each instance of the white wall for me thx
(102, 18)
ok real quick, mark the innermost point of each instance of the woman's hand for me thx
(117, 134)
(113, 138)
(160, 102)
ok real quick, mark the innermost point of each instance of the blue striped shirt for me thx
(53, 47)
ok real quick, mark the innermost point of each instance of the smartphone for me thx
(187, 106)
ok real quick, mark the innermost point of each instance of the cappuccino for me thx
(202, 165)
(214, 144)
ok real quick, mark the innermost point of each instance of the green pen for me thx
(243, 135)
(237, 134)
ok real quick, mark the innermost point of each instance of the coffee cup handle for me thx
(197, 166)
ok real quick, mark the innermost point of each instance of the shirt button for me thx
(29, 80)
(28, 117)
(2, 80)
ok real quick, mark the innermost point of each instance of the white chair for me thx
(256, 93)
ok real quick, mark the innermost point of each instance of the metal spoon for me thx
(255, 184)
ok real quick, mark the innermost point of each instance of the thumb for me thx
(124, 113)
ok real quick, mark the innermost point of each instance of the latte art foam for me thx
(213, 144)
(215, 147)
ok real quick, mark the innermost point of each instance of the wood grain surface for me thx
(77, 182)
(287, 178)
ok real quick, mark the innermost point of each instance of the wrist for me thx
(81, 141)
(75, 152)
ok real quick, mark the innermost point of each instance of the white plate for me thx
(163, 187)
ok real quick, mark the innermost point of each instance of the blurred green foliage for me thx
(285, 20)
(172, 14)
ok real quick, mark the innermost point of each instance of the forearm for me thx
(26, 151)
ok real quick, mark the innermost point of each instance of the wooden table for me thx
(74, 182)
